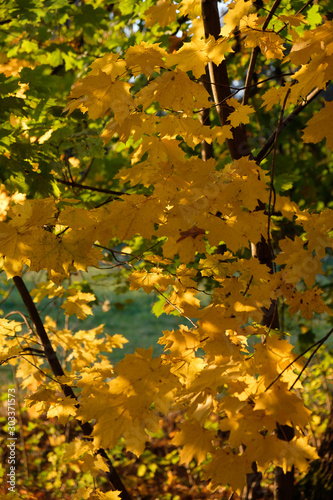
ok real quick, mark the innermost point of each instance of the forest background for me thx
(166, 179)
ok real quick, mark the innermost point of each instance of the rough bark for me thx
(220, 85)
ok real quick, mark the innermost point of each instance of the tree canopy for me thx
(184, 146)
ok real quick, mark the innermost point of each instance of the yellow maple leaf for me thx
(98, 94)
(9, 327)
(293, 20)
(275, 96)
(319, 126)
(136, 214)
(299, 262)
(310, 76)
(307, 302)
(313, 42)
(229, 230)
(165, 90)
(227, 467)
(296, 453)
(12, 66)
(146, 56)
(60, 256)
(32, 213)
(93, 493)
(9, 344)
(62, 409)
(192, 56)
(133, 127)
(287, 207)
(236, 10)
(217, 49)
(14, 249)
(241, 113)
(77, 303)
(271, 450)
(246, 425)
(270, 43)
(284, 406)
(42, 398)
(179, 238)
(270, 359)
(181, 343)
(150, 280)
(191, 130)
(79, 218)
(160, 150)
(195, 440)
(77, 448)
(46, 289)
(192, 8)
(163, 13)
(110, 64)
(123, 407)
(184, 299)
(318, 228)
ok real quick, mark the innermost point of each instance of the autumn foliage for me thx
(189, 168)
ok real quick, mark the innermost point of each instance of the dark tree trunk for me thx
(318, 482)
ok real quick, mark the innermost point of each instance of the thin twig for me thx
(248, 286)
(249, 76)
(304, 7)
(271, 184)
(320, 343)
(25, 319)
(175, 307)
(310, 358)
(90, 188)
(6, 295)
(275, 77)
(86, 171)
(265, 150)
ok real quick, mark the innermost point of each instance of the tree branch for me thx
(255, 52)
(271, 184)
(220, 85)
(89, 188)
(175, 307)
(249, 75)
(265, 150)
(56, 368)
(317, 345)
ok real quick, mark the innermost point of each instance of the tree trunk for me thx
(318, 482)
